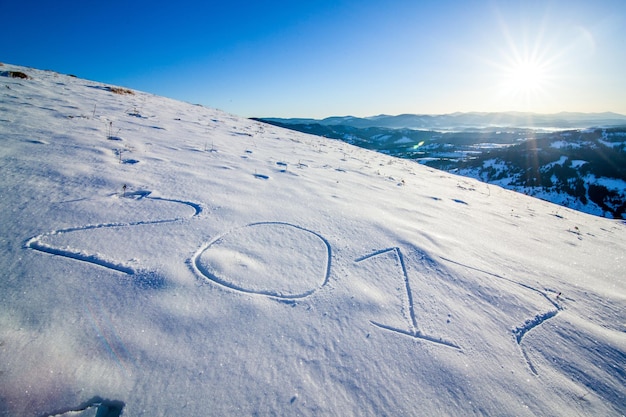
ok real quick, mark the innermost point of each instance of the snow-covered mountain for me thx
(163, 258)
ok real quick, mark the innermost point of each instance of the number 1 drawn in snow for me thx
(413, 330)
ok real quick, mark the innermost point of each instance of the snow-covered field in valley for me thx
(161, 258)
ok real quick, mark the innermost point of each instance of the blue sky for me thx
(342, 57)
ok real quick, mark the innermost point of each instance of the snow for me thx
(250, 270)
(403, 139)
(612, 144)
(560, 144)
(495, 163)
(615, 184)
(562, 159)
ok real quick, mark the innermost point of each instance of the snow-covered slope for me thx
(162, 258)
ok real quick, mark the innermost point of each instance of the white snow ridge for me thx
(165, 259)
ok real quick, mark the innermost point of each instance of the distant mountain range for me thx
(577, 160)
(472, 120)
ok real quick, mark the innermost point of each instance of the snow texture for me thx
(163, 258)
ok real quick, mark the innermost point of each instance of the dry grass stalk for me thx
(120, 90)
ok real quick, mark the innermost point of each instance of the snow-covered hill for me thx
(162, 258)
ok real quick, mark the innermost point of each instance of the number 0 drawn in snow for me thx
(412, 329)
(275, 259)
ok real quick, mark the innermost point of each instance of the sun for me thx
(525, 77)
(526, 66)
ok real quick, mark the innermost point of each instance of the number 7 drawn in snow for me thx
(413, 328)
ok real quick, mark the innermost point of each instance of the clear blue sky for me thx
(343, 57)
